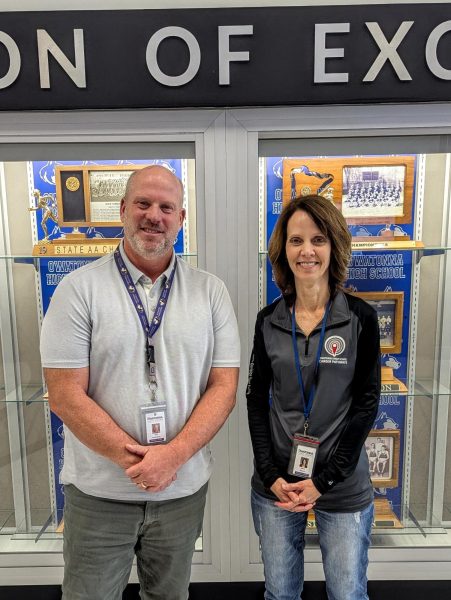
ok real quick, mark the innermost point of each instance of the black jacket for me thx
(344, 407)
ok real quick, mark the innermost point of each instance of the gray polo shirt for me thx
(91, 322)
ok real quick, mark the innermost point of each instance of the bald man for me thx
(140, 353)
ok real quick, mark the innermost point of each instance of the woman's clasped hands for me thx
(295, 497)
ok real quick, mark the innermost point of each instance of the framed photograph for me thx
(367, 189)
(372, 191)
(90, 196)
(382, 449)
(389, 307)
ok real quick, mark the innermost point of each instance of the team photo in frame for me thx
(373, 191)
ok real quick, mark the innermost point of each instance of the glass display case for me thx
(235, 177)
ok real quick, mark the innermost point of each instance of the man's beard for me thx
(140, 246)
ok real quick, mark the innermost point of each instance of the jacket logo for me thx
(335, 345)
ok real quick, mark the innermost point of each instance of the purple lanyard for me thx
(152, 328)
(307, 403)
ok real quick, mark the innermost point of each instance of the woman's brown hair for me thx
(331, 223)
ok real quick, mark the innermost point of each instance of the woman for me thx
(316, 355)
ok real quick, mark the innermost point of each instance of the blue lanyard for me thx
(307, 405)
(152, 328)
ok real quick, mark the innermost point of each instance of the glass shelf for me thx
(429, 388)
(42, 261)
(29, 394)
(29, 259)
(7, 521)
(32, 394)
(49, 527)
(421, 388)
(426, 250)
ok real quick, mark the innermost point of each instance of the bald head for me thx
(160, 176)
(152, 213)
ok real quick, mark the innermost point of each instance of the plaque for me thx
(389, 308)
(76, 247)
(90, 195)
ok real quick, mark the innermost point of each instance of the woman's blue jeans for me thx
(344, 541)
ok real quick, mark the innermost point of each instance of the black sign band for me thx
(225, 57)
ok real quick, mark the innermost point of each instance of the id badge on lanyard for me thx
(303, 456)
(153, 415)
(153, 423)
(305, 447)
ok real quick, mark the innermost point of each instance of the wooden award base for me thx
(384, 517)
(76, 247)
(60, 528)
(75, 235)
(380, 243)
(389, 383)
(311, 523)
(381, 238)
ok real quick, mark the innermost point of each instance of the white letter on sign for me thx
(194, 56)
(388, 51)
(225, 55)
(46, 46)
(14, 60)
(431, 51)
(322, 53)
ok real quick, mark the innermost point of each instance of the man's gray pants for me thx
(102, 537)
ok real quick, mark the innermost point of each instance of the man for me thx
(140, 354)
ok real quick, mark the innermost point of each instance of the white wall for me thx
(84, 5)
